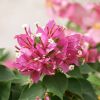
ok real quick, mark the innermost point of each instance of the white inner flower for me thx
(36, 58)
(85, 45)
(38, 34)
(71, 67)
(51, 40)
(79, 52)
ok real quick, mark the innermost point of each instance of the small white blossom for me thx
(71, 67)
(79, 52)
(38, 34)
(36, 58)
(51, 40)
(85, 45)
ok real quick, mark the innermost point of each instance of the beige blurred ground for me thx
(15, 13)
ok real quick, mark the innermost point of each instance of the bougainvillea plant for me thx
(55, 63)
(52, 64)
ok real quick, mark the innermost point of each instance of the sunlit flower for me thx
(49, 49)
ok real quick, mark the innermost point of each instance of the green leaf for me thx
(75, 73)
(74, 86)
(85, 69)
(30, 93)
(5, 90)
(98, 92)
(16, 90)
(1, 50)
(55, 98)
(21, 79)
(95, 66)
(87, 90)
(3, 54)
(88, 96)
(6, 74)
(94, 79)
(82, 88)
(56, 84)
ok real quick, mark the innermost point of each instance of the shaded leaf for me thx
(74, 86)
(6, 74)
(87, 90)
(94, 79)
(85, 69)
(5, 90)
(75, 73)
(95, 66)
(15, 92)
(3, 54)
(30, 93)
(56, 84)
(55, 98)
(21, 79)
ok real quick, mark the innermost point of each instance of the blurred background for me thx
(15, 13)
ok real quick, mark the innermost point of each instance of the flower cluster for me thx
(86, 16)
(50, 49)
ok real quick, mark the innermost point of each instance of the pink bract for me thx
(91, 56)
(94, 34)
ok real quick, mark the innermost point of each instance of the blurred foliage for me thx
(3, 54)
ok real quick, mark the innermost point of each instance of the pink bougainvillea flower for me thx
(94, 34)
(49, 49)
(91, 56)
(88, 46)
(90, 52)
(66, 9)
(47, 98)
(86, 16)
(56, 7)
(38, 52)
(93, 17)
(75, 13)
(38, 98)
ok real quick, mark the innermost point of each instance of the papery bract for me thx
(91, 56)
(94, 34)
(56, 7)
